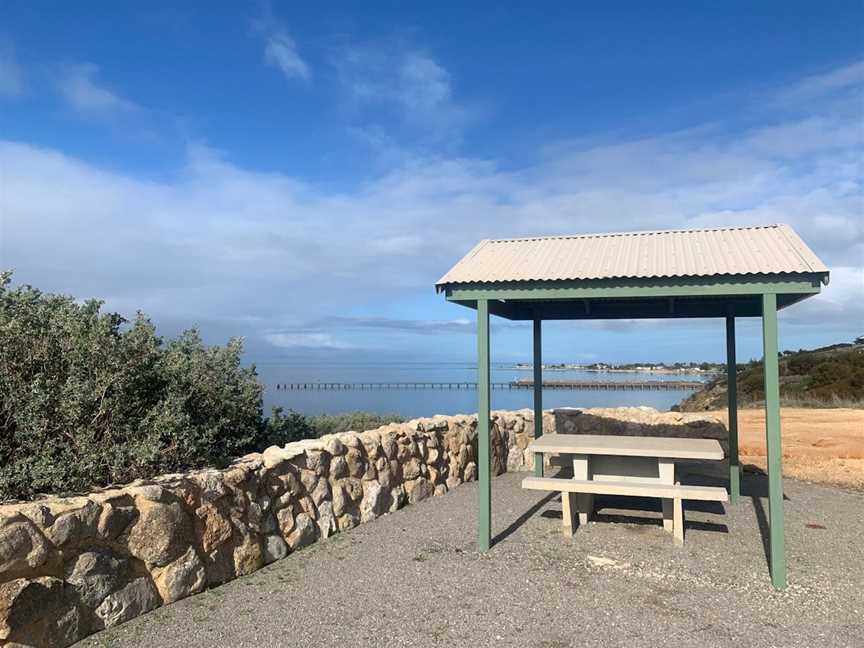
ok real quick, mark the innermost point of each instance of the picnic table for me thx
(635, 466)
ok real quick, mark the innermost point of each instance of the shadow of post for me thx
(522, 519)
(754, 484)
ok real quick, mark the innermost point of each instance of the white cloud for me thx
(79, 88)
(280, 50)
(417, 88)
(305, 341)
(219, 242)
(848, 76)
(11, 77)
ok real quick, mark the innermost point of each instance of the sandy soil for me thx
(819, 445)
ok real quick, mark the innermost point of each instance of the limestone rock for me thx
(419, 490)
(39, 514)
(354, 489)
(303, 533)
(470, 471)
(356, 463)
(290, 482)
(321, 492)
(216, 527)
(27, 603)
(389, 446)
(340, 499)
(338, 467)
(135, 598)
(219, 565)
(72, 526)
(274, 549)
(431, 474)
(22, 547)
(397, 498)
(326, 520)
(333, 444)
(248, 555)
(411, 469)
(161, 534)
(274, 456)
(94, 575)
(374, 501)
(149, 492)
(514, 458)
(285, 518)
(318, 461)
(181, 578)
(114, 520)
(348, 521)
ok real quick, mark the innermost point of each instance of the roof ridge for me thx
(553, 237)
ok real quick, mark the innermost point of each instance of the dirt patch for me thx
(819, 445)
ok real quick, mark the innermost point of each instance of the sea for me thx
(411, 402)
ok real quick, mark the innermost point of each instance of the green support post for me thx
(732, 410)
(538, 392)
(484, 519)
(772, 434)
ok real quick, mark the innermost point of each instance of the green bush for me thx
(284, 427)
(357, 421)
(87, 398)
(831, 376)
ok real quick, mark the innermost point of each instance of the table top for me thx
(628, 446)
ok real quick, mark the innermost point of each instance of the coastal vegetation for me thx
(831, 376)
(88, 398)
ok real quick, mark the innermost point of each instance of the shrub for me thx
(88, 398)
(357, 421)
(284, 427)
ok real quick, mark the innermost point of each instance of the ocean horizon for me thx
(411, 402)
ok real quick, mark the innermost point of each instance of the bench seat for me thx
(671, 494)
(633, 489)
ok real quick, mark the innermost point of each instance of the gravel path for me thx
(415, 578)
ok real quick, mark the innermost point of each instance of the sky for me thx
(301, 176)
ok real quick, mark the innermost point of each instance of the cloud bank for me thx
(217, 242)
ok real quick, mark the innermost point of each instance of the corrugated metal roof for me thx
(767, 249)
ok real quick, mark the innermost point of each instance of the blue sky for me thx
(301, 176)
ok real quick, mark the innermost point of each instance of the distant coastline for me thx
(704, 369)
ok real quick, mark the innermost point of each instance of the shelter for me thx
(722, 273)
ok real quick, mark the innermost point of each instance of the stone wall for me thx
(70, 566)
(640, 421)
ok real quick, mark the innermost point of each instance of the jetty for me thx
(608, 385)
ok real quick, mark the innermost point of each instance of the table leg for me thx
(584, 501)
(666, 471)
(568, 508)
(678, 516)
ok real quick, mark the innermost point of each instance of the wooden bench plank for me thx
(631, 489)
(628, 446)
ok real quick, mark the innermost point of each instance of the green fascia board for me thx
(808, 284)
(645, 308)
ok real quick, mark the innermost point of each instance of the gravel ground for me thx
(415, 578)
